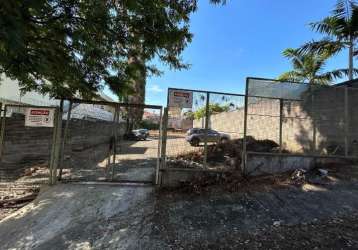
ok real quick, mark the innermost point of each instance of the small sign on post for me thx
(39, 117)
(180, 98)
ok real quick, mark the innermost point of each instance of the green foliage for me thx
(67, 47)
(213, 109)
(340, 32)
(309, 68)
(148, 125)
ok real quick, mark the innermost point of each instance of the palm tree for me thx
(309, 68)
(341, 32)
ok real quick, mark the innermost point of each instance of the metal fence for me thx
(303, 119)
(26, 151)
(207, 133)
(217, 131)
(107, 141)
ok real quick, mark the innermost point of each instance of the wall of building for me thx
(10, 94)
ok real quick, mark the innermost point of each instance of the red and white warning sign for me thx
(39, 117)
(180, 98)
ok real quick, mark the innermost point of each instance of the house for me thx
(10, 94)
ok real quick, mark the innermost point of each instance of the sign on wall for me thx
(39, 117)
(180, 98)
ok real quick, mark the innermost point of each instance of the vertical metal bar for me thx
(164, 141)
(2, 132)
(346, 122)
(281, 123)
(159, 147)
(52, 157)
(207, 117)
(116, 119)
(64, 139)
(57, 142)
(243, 157)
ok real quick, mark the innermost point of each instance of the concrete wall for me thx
(25, 147)
(267, 164)
(298, 127)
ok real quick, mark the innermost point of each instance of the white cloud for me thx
(155, 88)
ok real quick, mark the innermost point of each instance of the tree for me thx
(69, 47)
(341, 32)
(213, 109)
(309, 68)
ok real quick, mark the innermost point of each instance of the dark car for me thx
(137, 135)
(195, 136)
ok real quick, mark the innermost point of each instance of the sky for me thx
(244, 38)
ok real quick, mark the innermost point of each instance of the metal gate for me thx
(108, 141)
(28, 139)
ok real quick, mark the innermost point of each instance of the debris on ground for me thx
(233, 181)
(14, 196)
(298, 176)
(228, 153)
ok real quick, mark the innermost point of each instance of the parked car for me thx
(137, 135)
(195, 136)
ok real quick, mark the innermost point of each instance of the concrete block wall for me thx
(297, 125)
(26, 147)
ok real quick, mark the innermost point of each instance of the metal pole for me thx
(57, 143)
(243, 157)
(159, 146)
(52, 157)
(116, 119)
(207, 117)
(2, 132)
(164, 142)
(281, 123)
(64, 140)
(346, 122)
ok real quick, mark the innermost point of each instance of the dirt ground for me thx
(261, 215)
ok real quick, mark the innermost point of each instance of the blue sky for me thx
(243, 38)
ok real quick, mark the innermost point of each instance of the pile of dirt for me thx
(14, 196)
(228, 153)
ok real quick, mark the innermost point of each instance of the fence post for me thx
(346, 122)
(207, 117)
(64, 139)
(57, 144)
(243, 157)
(115, 138)
(164, 143)
(159, 146)
(52, 156)
(2, 131)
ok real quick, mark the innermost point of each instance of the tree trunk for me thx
(138, 83)
(350, 73)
